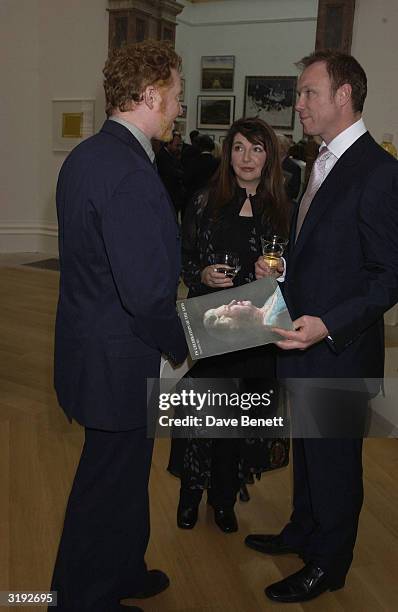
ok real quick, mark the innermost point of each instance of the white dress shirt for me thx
(342, 142)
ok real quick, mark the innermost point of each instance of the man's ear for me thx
(344, 94)
(151, 96)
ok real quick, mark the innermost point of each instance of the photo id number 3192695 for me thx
(28, 598)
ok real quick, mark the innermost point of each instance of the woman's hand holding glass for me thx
(214, 279)
(262, 269)
(223, 269)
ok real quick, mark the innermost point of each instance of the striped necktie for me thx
(316, 180)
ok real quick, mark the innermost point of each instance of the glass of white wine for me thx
(273, 248)
(226, 262)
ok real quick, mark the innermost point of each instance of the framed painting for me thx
(215, 112)
(272, 99)
(180, 126)
(72, 122)
(217, 72)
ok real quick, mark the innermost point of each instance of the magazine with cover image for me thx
(234, 319)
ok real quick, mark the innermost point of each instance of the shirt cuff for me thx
(281, 278)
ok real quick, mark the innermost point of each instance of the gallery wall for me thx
(49, 49)
(266, 38)
(375, 45)
(57, 48)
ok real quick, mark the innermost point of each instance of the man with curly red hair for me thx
(119, 262)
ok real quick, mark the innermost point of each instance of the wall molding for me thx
(200, 24)
(28, 237)
(31, 228)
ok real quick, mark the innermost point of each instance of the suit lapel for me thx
(335, 184)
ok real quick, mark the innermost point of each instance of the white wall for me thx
(375, 46)
(19, 111)
(266, 37)
(49, 49)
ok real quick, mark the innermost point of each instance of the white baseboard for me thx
(28, 238)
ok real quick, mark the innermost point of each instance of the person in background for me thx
(170, 170)
(190, 150)
(341, 277)
(245, 200)
(116, 315)
(291, 170)
(202, 168)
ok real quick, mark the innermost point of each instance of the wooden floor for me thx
(209, 571)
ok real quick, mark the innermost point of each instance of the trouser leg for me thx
(106, 528)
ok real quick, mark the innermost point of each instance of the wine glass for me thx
(273, 248)
(226, 262)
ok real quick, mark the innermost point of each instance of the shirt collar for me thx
(138, 134)
(346, 138)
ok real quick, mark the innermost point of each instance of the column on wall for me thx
(137, 20)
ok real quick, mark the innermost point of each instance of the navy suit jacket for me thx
(120, 260)
(344, 266)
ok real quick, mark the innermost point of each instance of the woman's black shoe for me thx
(226, 520)
(187, 516)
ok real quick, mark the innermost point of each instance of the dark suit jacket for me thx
(344, 265)
(293, 183)
(119, 259)
(171, 173)
(199, 172)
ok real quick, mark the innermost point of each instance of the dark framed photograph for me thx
(215, 112)
(271, 99)
(218, 72)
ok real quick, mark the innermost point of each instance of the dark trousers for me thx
(224, 477)
(327, 500)
(106, 529)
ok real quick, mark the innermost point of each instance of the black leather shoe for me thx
(187, 516)
(155, 582)
(269, 544)
(308, 583)
(226, 520)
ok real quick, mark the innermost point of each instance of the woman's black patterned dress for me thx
(225, 464)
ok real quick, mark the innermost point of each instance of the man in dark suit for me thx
(200, 170)
(341, 276)
(291, 170)
(170, 170)
(119, 261)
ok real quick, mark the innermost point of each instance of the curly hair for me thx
(270, 192)
(130, 69)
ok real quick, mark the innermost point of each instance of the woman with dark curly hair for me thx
(245, 200)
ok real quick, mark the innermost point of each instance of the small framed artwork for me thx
(221, 138)
(215, 112)
(272, 99)
(72, 122)
(218, 72)
(180, 126)
(184, 111)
